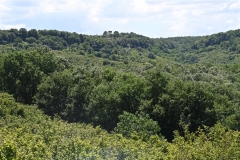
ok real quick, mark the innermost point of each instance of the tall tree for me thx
(33, 33)
(53, 93)
(116, 34)
(140, 123)
(21, 75)
(23, 33)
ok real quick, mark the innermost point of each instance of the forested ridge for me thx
(118, 96)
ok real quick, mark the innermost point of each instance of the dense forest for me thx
(118, 95)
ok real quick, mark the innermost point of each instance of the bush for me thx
(140, 124)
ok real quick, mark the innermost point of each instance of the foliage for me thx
(110, 99)
(52, 94)
(207, 143)
(22, 72)
(21, 75)
(26, 133)
(184, 85)
(141, 124)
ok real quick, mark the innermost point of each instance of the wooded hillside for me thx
(118, 95)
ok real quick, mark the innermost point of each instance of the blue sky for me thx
(152, 18)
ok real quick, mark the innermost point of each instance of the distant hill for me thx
(117, 46)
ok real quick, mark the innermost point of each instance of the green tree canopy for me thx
(140, 123)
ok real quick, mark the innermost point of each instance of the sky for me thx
(151, 18)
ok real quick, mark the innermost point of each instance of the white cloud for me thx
(221, 6)
(140, 7)
(91, 9)
(178, 27)
(3, 8)
(15, 26)
(235, 6)
(123, 21)
(209, 28)
(198, 12)
(62, 5)
(230, 21)
(170, 18)
(180, 13)
(31, 12)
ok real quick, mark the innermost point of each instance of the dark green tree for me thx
(23, 33)
(108, 100)
(21, 75)
(105, 33)
(73, 38)
(79, 96)
(104, 105)
(1, 74)
(140, 123)
(33, 33)
(12, 36)
(22, 72)
(132, 90)
(157, 83)
(52, 96)
(31, 40)
(116, 34)
(184, 104)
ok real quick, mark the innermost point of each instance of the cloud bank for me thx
(153, 18)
